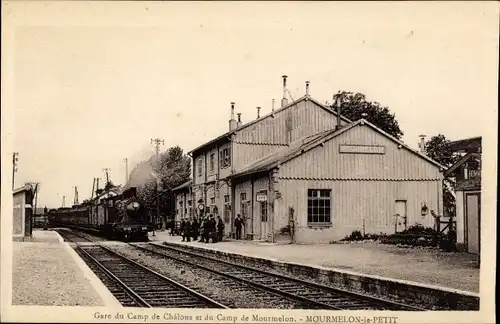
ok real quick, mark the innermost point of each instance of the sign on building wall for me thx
(362, 149)
(261, 197)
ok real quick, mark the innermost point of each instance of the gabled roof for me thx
(460, 162)
(252, 122)
(273, 160)
(185, 185)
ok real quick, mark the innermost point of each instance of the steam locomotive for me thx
(118, 216)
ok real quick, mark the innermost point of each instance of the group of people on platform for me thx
(207, 228)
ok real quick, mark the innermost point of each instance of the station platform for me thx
(46, 271)
(450, 271)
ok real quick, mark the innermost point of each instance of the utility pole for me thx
(157, 142)
(15, 158)
(75, 202)
(93, 187)
(126, 170)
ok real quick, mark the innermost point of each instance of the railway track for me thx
(309, 294)
(72, 236)
(135, 285)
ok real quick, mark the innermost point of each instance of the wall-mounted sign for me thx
(361, 149)
(261, 197)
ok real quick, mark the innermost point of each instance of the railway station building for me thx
(306, 174)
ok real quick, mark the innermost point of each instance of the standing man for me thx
(220, 228)
(195, 227)
(238, 223)
(187, 231)
(203, 225)
(183, 224)
(213, 229)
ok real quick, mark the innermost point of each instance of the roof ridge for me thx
(305, 97)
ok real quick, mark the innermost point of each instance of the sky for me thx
(91, 83)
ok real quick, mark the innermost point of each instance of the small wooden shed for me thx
(467, 172)
(22, 213)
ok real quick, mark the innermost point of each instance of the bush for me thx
(285, 230)
(416, 235)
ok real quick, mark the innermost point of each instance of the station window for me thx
(212, 162)
(225, 158)
(227, 208)
(263, 212)
(243, 205)
(319, 207)
(200, 167)
(212, 201)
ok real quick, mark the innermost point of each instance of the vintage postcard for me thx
(249, 162)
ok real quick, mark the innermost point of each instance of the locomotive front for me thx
(133, 221)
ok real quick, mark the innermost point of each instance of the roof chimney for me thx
(307, 88)
(339, 111)
(258, 112)
(284, 101)
(273, 105)
(421, 145)
(238, 124)
(232, 122)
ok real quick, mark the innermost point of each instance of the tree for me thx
(439, 149)
(173, 168)
(355, 106)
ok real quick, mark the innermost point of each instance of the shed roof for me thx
(225, 135)
(460, 162)
(281, 156)
(185, 185)
(23, 188)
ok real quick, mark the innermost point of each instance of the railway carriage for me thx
(120, 217)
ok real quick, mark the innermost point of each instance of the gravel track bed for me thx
(260, 266)
(217, 287)
(44, 274)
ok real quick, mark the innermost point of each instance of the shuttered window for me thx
(319, 207)
(200, 167)
(227, 208)
(212, 162)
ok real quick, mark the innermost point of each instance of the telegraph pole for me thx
(157, 142)
(15, 158)
(106, 170)
(75, 202)
(126, 170)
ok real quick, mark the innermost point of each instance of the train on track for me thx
(119, 216)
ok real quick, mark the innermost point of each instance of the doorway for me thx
(264, 228)
(401, 222)
(473, 222)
